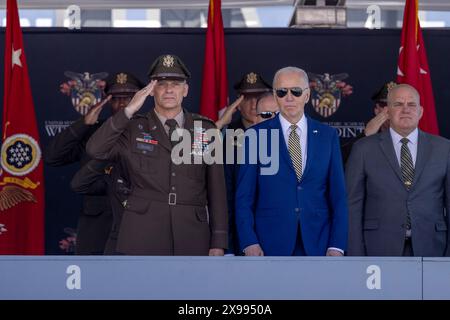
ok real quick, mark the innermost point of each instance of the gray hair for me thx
(299, 71)
(400, 86)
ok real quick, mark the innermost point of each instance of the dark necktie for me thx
(172, 124)
(295, 151)
(406, 164)
(407, 167)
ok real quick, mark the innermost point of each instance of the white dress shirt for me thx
(412, 144)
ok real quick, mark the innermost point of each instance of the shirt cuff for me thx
(336, 249)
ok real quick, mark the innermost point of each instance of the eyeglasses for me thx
(295, 91)
(266, 114)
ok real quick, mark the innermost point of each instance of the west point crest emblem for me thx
(168, 61)
(121, 78)
(252, 78)
(327, 91)
(20, 155)
(85, 89)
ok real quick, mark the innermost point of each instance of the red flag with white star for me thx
(21, 175)
(413, 66)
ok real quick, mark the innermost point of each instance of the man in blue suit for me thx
(300, 208)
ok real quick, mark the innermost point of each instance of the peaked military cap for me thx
(122, 83)
(381, 95)
(252, 83)
(168, 66)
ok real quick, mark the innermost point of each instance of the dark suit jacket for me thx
(94, 222)
(103, 178)
(346, 148)
(173, 209)
(379, 202)
(231, 170)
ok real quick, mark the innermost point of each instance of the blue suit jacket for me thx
(270, 207)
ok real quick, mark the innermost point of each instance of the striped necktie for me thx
(406, 164)
(295, 151)
(407, 168)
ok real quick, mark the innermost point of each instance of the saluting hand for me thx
(228, 114)
(92, 116)
(139, 98)
(374, 125)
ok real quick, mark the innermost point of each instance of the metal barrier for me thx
(223, 278)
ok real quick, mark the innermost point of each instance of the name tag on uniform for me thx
(146, 144)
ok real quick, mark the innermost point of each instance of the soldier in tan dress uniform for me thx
(172, 209)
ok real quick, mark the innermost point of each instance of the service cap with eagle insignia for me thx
(168, 66)
(122, 84)
(382, 93)
(252, 83)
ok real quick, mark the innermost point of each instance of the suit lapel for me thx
(423, 153)
(189, 125)
(158, 131)
(312, 144)
(188, 121)
(389, 152)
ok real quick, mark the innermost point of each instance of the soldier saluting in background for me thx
(95, 220)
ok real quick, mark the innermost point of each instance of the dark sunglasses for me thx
(295, 91)
(266, 114)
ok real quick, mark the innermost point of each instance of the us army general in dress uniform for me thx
(172, 209)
